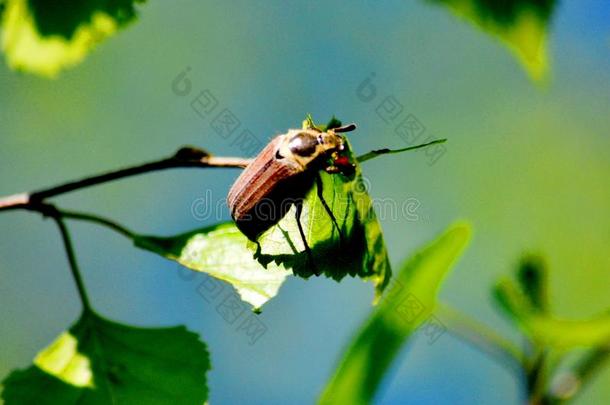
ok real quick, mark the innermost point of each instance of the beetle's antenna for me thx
(346, 128)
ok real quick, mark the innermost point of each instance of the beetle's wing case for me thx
(267, 180)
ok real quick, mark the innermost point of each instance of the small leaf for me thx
(532, 277)
(44, 37)
(333, 123)
(221, 251)
(351, 245)
(99, 362)
(547, 330)
(406, 304)
(520, 24)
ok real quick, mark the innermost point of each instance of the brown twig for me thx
(14, 201)
(186, 157)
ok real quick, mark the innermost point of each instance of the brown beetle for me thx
(282, 174)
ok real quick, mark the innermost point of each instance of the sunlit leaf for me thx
(520, 24)
(102, 362)
(408, 302)
(44, 37)
(352, 245)
(548, 330)
(221, 251)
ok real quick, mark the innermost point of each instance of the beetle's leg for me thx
(299, 210)
(320, 192)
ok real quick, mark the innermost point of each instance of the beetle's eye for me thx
(303, 144)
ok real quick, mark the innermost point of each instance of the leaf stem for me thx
(81, 216)
(482, 338)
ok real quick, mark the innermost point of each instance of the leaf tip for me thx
(462, 230)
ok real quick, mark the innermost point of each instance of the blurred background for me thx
(526, 164)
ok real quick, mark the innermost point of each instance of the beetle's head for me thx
(305, 147)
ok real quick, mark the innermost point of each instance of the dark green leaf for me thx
(44, 37)
(221, 251)
(532, 277)
(379, 341)
(520, 24)
(333, 123)
(101, 362)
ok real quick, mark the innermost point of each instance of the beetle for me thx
(282, 173)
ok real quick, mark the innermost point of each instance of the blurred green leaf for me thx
(100, 362)
(387, 329)
(221, 251)
(354, 246)
(521, 25)
(547, 330)
(532, 278)
(44, 37)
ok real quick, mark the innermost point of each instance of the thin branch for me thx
(374, 153)
(482, 338)
(65, 235)
(186, 157)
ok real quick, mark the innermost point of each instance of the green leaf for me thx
(221, 251)
(521, 25)
(354, 246)
(100, 362)
(532, 278)
(547, 330)
(44, 37)
(379, 341)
